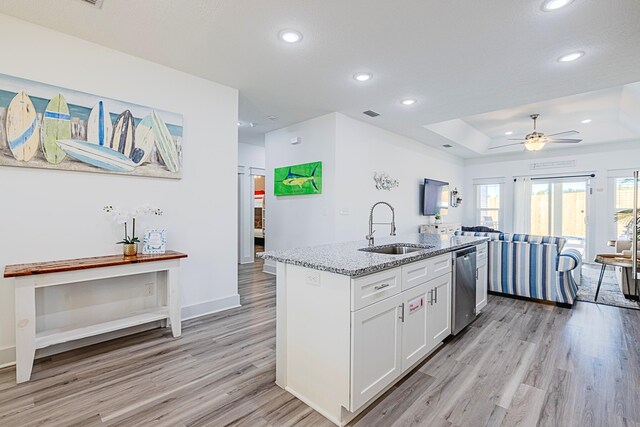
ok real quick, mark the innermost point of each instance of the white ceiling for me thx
(614, 115)
(458, 58)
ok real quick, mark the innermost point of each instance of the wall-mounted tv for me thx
(436, 196)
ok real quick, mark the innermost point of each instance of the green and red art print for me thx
(298, 179)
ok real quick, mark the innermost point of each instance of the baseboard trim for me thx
(210, 307)
(269, 268)
(8, 355)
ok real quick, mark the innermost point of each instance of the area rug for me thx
(609, 291)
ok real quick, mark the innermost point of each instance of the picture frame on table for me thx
(154, 241)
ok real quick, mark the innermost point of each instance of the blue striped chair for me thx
(531, 266)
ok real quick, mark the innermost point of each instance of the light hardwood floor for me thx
(520, 363)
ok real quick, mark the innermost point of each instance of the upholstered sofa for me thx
(532, 266)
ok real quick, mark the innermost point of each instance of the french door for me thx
(559, 207)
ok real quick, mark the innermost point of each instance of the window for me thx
(623, 194)
(488, 205)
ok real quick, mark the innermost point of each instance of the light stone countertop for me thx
(346, 259)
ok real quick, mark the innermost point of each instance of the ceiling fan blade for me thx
(515, 139)
(565, 133)
(563, 141)
(508, 145)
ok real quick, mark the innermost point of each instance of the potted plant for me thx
(625, 216)
(438, 219)
(130, 242)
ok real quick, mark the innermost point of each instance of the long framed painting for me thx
(298, 179)
(45, 126)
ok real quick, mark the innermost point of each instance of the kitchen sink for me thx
(399, 249)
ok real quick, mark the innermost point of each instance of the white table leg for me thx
(173, 294)
(25, 298)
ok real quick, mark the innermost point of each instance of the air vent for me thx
(95, 3)
(447, 145)
(371, 113)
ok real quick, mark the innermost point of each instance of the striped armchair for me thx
(531, 266)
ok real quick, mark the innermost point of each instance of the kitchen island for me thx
(353, 319)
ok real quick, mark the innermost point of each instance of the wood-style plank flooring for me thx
(519, 364)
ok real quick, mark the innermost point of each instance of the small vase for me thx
(130, 249)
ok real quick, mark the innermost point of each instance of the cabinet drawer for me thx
(417, 273)
(374, 287)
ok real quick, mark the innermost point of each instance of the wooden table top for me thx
(18, 270)
(615, 259)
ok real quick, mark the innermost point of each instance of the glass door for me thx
(559, 208)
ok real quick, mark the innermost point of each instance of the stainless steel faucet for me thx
(369, 236)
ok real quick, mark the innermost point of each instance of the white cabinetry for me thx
(392, 335)
(426, 319)
(439, 310)
(375, 348)
(482, 276)
(342, 342)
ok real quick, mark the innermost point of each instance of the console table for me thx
(29, 277)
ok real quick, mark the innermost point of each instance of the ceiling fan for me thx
(536, 140)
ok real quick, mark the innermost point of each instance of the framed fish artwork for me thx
(45, 126)
(298, 179)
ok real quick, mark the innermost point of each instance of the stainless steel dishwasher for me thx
(464, 289)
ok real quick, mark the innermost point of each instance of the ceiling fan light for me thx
(535, 144)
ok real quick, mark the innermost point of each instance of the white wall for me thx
(351, 151)
(48, 215)
(296, 221)
(250, 155)
(363, 149)
(601, 160)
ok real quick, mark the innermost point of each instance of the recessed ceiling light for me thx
(571, 56)
(508, 133)
(585, 121)
(550, 5)
(408, 101)
(290, 36)
(239, 124)
(363, 77)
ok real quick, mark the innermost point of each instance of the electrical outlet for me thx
(148, 289)
(313, 278)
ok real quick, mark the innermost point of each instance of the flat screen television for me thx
(436, 195)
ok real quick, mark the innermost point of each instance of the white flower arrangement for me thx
(384, 181)
(123, 217)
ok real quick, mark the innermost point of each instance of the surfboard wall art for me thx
(44, 126)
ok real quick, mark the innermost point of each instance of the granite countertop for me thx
(346, 259)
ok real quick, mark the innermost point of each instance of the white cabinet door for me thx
(439, 310)
(481, 287)
(416, 341)
(376, 336)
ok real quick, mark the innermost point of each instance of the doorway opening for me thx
(259, 213)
